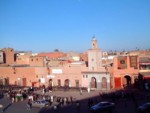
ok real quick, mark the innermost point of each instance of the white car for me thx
(40, 103)
(144, 108)
(103, 106)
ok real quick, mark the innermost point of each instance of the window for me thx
(36, 76)
(83, 76)
(122, 62)
(77, 83)
(86, 76)
(133, 61)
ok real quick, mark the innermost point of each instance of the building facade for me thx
(125, 71)
(95, 76)
(8, 55)
(93, 69)
(1, 57)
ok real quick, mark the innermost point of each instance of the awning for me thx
(144, 63)
(145, 74)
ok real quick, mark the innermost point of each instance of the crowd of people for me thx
(20, 93)
(16, 94)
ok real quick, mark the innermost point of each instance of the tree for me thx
(56, 50)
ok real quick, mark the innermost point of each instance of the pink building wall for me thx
(69, 71)
(16, 74)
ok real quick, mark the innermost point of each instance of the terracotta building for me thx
(125, 71)
(21, 75)
(38, 61)
(1, 57)
(8, 55)
(23, 57)
(77, 73)
(144, 67)
(93, 69)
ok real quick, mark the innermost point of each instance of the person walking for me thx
(78, 106)
(1, 108)
(12, 99)
(29, 105)
(80, 91)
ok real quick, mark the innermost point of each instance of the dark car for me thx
(144, 108)
(103, 106)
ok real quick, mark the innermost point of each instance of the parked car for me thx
(103, 106)
(144, 108)
(40, 103)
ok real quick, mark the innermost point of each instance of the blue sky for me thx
(68, 25)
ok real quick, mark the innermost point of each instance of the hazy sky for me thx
(68, 25)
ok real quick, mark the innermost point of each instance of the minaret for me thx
(94, 43)
(94, 56)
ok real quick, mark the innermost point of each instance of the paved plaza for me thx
(122, 105)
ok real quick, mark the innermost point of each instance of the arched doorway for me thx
(66, 83)
(24, 81)
(93, 82)
(136, 81)
(127, 81)
(104, 83)
(19, 83)
(1, 81)
(50, 82)
(50, 87)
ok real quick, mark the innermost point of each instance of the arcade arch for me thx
(127, 81)
(104, 83)
(93, 82)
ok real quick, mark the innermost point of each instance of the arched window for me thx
(104, 83)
